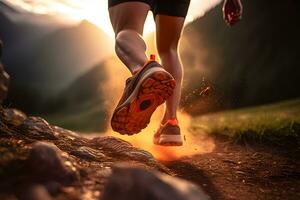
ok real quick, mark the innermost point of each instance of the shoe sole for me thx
(154, 88)
(169, 140)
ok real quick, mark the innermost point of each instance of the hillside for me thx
(44, 54)
(255, 62)
(82, 102)
(276, 124)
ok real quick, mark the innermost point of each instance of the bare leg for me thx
(144, 92)
(168, 31)
(128, 21)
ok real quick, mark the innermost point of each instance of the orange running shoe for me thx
(168, 134)
(143, 93)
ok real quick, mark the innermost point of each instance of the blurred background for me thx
(60, 56)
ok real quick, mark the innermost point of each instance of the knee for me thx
(167, 52)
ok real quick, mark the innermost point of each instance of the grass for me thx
(88, 117)
(277, 123)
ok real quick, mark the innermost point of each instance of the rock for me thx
(46, 163)
(65, 132)
(118, 148)
(35, 192)
(109, 142)
(88, 153)
(38, 128)
(121, 147)
(187, 189)
(138, 184)
(32, 159)
(14, 117)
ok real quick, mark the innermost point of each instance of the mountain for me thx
(44, 54)
(87, 103)
(82, 102)
(20, 28)
(255, 62)
(67, 53)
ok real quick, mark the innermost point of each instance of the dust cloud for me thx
(194, 143)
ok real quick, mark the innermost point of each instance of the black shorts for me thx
(178, 8)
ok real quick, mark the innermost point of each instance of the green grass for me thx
(276, 122)
(88, 117)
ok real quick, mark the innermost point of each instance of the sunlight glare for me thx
(96, 11)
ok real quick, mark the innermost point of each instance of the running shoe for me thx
(168, 134)
(143, 93)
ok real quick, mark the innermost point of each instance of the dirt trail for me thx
(82, 165)
(243, 172)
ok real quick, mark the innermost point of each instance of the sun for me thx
(97, 13)
(99, 16)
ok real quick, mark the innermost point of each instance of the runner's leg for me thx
(148, 89)
(128, 21)
(168, 32)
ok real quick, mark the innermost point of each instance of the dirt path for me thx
(241, 172)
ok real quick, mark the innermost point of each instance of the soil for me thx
(251, 172)
(232, 171)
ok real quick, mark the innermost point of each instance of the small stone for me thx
(105, 172)
(14, 117)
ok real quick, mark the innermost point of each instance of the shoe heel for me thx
(170, 140)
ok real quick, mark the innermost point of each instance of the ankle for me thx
(140, 66)
(135, 70)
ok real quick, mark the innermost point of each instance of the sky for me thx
(96, 11)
